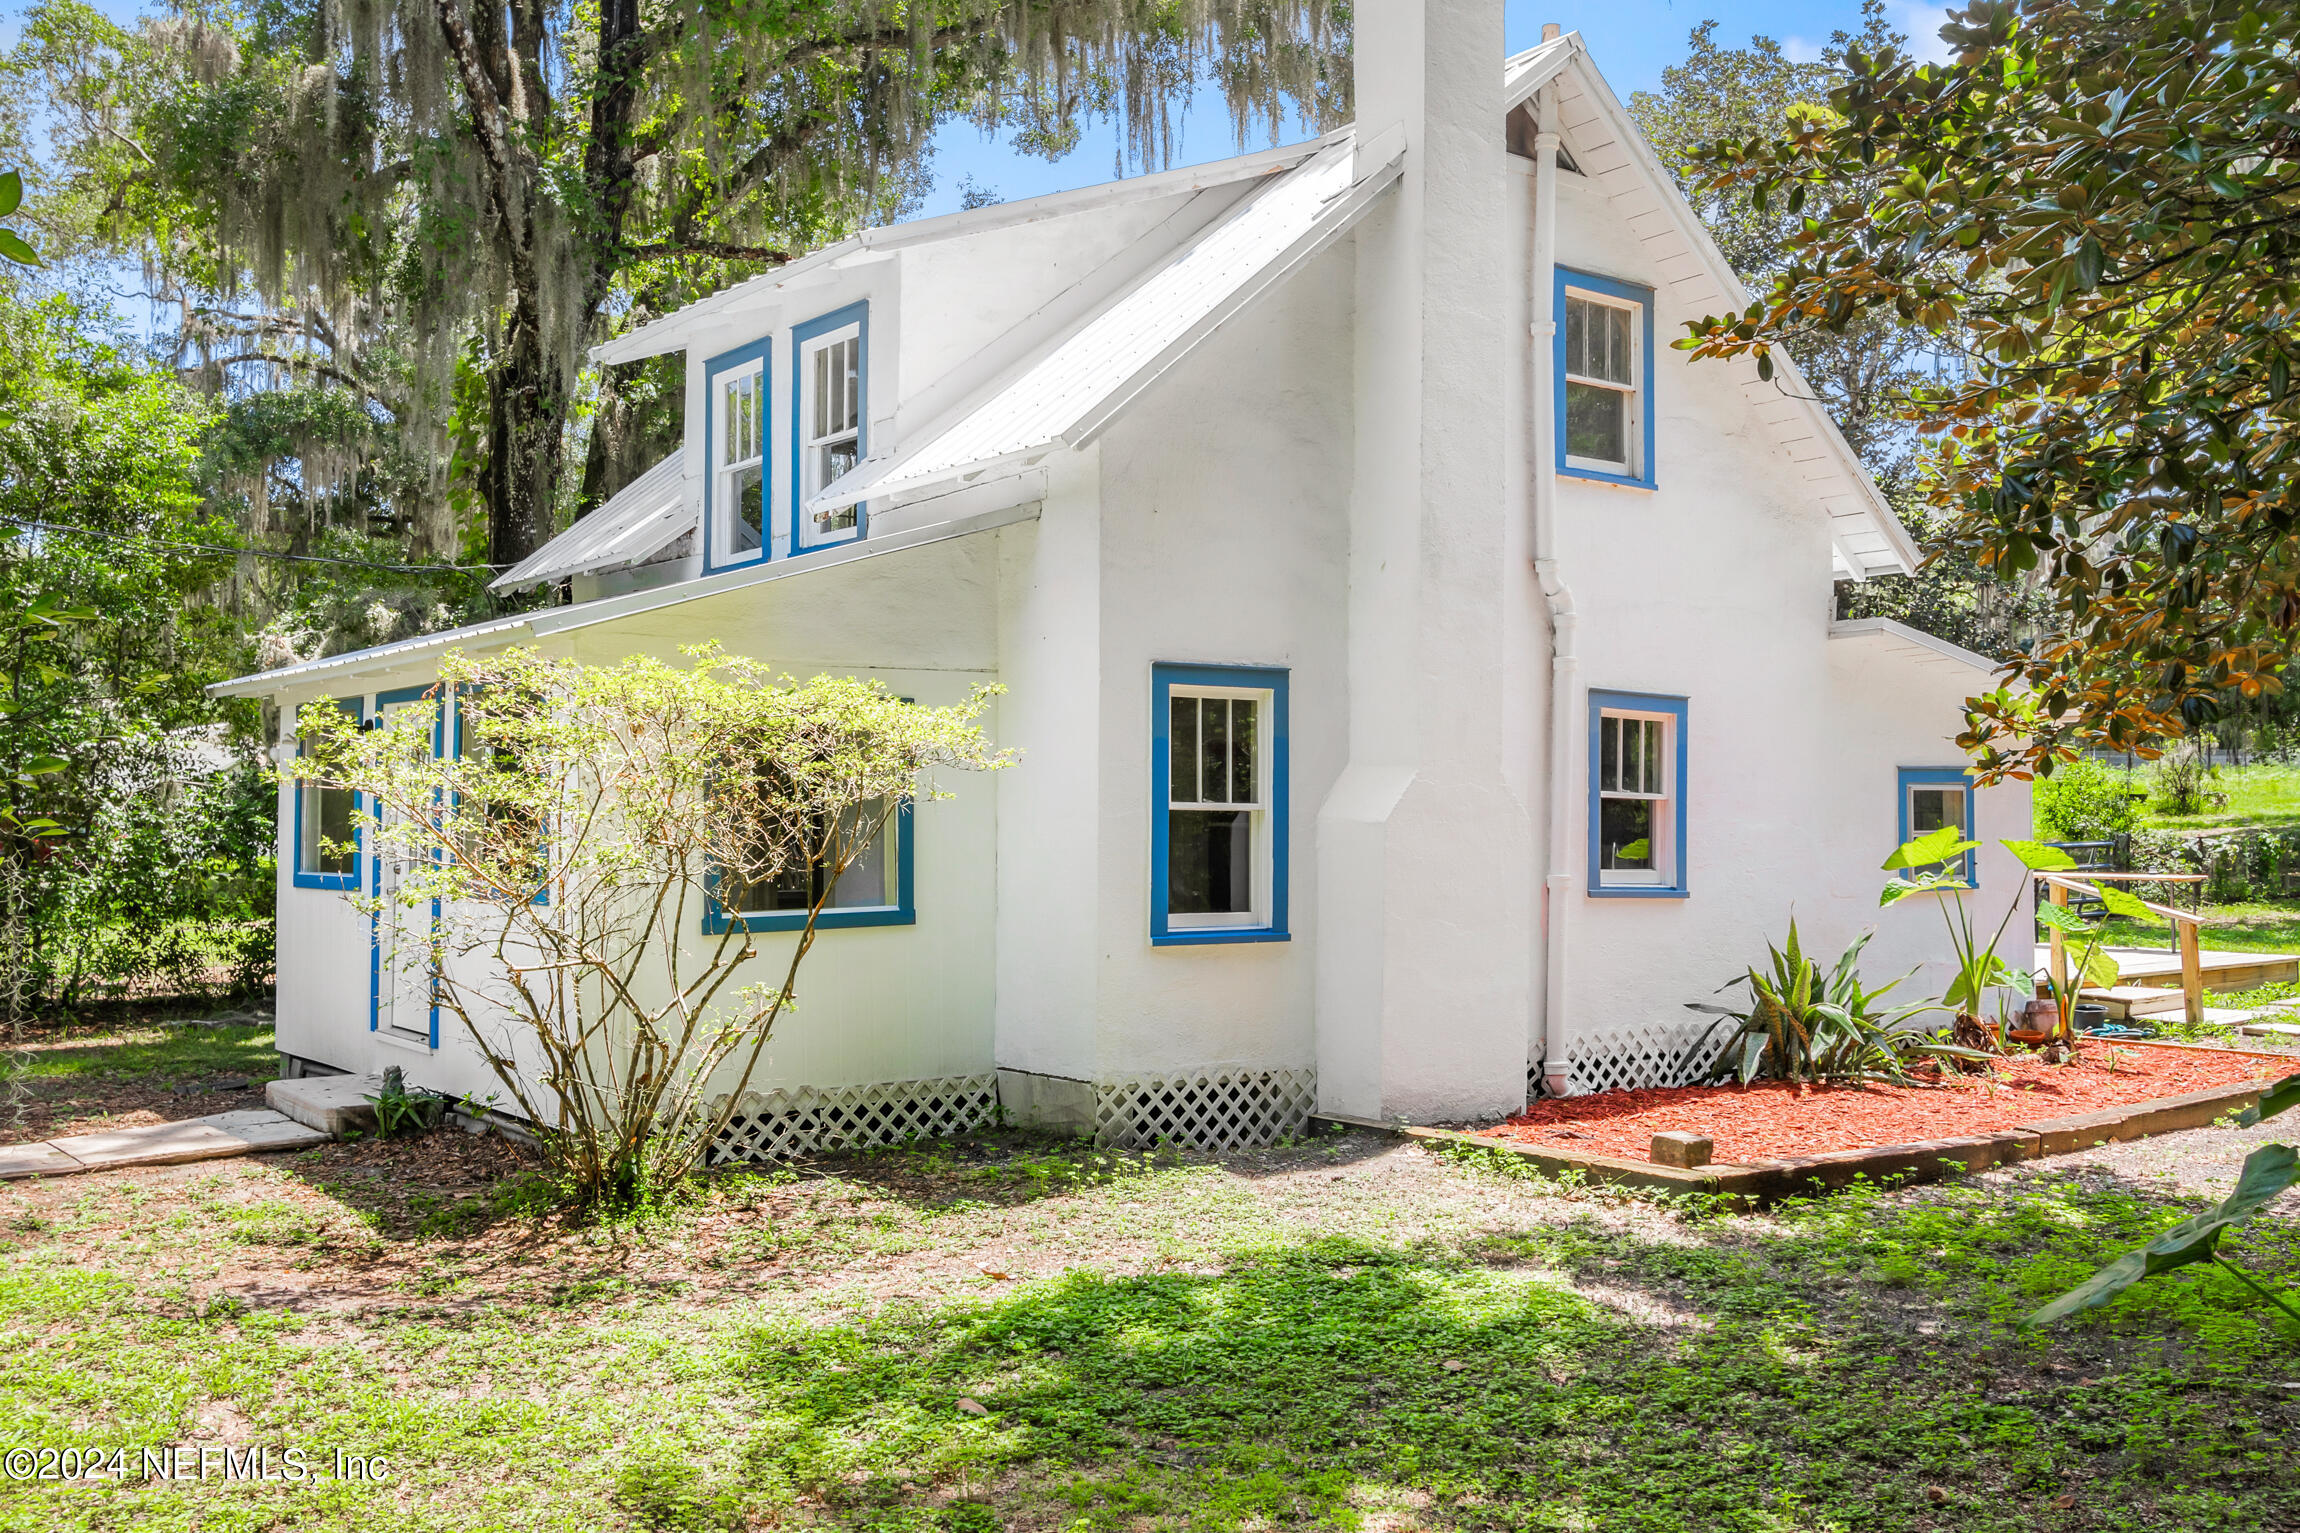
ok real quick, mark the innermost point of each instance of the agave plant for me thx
(1802, 1025)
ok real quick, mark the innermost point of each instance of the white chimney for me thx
(1429, 1020)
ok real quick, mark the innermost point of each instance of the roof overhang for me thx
(1897, 638)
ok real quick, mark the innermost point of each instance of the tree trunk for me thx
(527, 420)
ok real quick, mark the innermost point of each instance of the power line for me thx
(41, 524)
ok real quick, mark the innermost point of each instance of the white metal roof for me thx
(643, 518)
(672, 330)
(1063, 397)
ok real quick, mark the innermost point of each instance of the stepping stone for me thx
(333, 1104)
(21, 1160)
(2270, 1030)
(215, 1137)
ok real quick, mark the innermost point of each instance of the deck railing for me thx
(2185, 924)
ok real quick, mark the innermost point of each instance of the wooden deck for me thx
(2148, 978)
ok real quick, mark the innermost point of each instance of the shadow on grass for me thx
(1832, 1370)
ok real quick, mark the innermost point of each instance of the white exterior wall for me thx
(1716, 587)
(1224, 541)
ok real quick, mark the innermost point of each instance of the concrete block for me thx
(1047, 1101)
(43, 1159)
(155, 1144)
(333, 1104)
(1681, 1149)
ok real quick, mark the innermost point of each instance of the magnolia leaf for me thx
(1927, 850)
(2038, 857)
(2285, 1094)
(2267, 1172)
(11, 191)
(40, 764)
(13, 248)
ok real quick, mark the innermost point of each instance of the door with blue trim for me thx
(401, 995)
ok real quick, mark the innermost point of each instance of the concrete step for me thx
(333, 1104)
(2135, 1001)
(215, 1137)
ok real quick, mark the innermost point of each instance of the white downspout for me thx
(1557, 888)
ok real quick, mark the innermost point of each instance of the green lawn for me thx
(2255, 927)
(2266, 793)
(1341, 1334)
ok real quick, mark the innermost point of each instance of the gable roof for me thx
(1066, 395)
(639, 521)
(1865, 537)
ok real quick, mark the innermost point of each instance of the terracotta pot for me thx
(2028, 1039)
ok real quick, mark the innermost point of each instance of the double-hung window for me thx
(1604, 386)
(828, 419)
(1218, 812)
(1933, 798)
(874, 889)
(1636, 794)
(326, 827)
(737, 407)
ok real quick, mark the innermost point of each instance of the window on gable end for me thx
(736, 402)
(829, 424)
(1605, 364)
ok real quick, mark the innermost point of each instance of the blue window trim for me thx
(384, 700)
(904, 912)
(858, 315)
(1627, 292)
(1638, 702)
(455, 707)
(1909, 777)
(760, 351)
(1163, 679)
(344, 883)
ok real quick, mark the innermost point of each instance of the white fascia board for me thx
(585, 614)
(1895, 634)
(1720, 271)
(671, 331)
(381, 657)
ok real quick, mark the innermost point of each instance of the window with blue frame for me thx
(736, 499)
(873, 889)
(1605, 379)
(830, 372)
(1637, 779)
(1218, 772)
(326, 827)
(1934, 797)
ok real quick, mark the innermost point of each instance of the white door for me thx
(402, 988)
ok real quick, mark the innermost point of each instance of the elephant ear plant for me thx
(1935, 863)
(2268, 1172)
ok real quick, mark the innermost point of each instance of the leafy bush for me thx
(2184, 784)
(2084, 800)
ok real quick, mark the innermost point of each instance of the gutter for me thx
(1557, 887)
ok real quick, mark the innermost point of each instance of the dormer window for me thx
(736, 530)
(828, 436)
(1605, 365)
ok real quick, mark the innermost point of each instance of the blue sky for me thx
(1632, 41)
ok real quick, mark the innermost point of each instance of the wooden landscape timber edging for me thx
(1765, 1181)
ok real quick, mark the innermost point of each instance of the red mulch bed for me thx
(1770, 1121)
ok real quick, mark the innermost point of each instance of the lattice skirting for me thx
(779, 1124)
(1629, 1058)
(1204, 1109)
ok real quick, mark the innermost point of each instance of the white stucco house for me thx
(1425, 677)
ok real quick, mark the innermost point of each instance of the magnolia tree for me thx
(559, 849)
